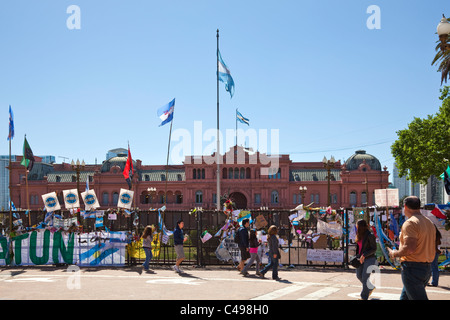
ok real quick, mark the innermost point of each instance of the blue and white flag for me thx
(11, 125)
(225, 76)
(241, 118)
(165, 113)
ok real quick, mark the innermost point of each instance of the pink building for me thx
(193, 184)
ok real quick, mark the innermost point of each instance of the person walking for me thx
(243, 243)
(416, 252)
(366, 247)
(435, 264)
(253, 250)
(147, 237)
(179, 239)
(274, 253)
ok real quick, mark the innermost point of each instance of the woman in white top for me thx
(147, 237)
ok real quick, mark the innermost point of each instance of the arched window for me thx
(274, 197)
(242, 175)
(236, 173)
(230, 173)
(203, 173)
(247, 173)
(194, 174)
(178, 197)
(353, 198)
(115, 198)
(224, 173)
(334, 198)
(199, 174)
(199, 197)
(364, 199)
(105, 198)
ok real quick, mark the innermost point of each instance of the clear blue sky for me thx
(311, 69)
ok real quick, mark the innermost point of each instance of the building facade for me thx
(243, 178)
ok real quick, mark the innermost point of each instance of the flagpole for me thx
(236, 128)
(10, 199)
(167, 161)
(218, 143)
(26, 188)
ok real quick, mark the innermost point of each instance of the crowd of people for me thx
(418, 252)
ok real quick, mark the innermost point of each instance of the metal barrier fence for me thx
(293, 251)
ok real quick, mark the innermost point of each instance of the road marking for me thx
(319, 294)
(178, 280)
(281, 292)
(30, 280)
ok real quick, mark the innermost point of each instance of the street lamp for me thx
(328, 164)
(78, 167)
(443, 31)
(302, 190)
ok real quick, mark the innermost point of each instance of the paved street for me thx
(210, 283)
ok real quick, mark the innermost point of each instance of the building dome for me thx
(360, 157)
(119, 161)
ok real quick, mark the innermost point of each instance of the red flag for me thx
(438, 213)
(128, 171)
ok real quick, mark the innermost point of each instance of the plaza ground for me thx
(206, 283)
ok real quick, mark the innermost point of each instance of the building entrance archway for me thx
(239, 200)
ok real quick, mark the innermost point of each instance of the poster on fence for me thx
(71, 199)
(386, 197)
(325, 255)
(125, 199)
(51, 202)
(42, 247)
(90, 200)
(332, 229)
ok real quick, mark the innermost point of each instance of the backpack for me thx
(237, 237)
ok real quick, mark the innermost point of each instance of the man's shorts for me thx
(179, 251)
(244, 253)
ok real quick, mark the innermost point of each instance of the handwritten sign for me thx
(325, 255)
(386, 197)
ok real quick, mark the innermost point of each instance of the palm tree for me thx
(443, 57)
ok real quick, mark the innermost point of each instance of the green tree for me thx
(423, 149)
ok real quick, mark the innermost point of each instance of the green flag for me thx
(443, 173)
(28, 158)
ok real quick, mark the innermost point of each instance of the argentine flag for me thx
(225, 76)
(165, 113)
(241, 118)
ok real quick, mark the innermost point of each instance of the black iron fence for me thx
(298, 239)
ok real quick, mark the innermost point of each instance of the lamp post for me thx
(302, 190)
(443, 31)
(328, 164)
(78, 167)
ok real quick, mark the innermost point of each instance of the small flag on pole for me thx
(128, 171)
(241, 118)
(165, 113)
(11, 125)
(225, 76)
(28, 158)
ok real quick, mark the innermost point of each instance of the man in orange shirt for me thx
(416, 252)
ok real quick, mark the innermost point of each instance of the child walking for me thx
(147, 237)
(253, 250)
(274, 253)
